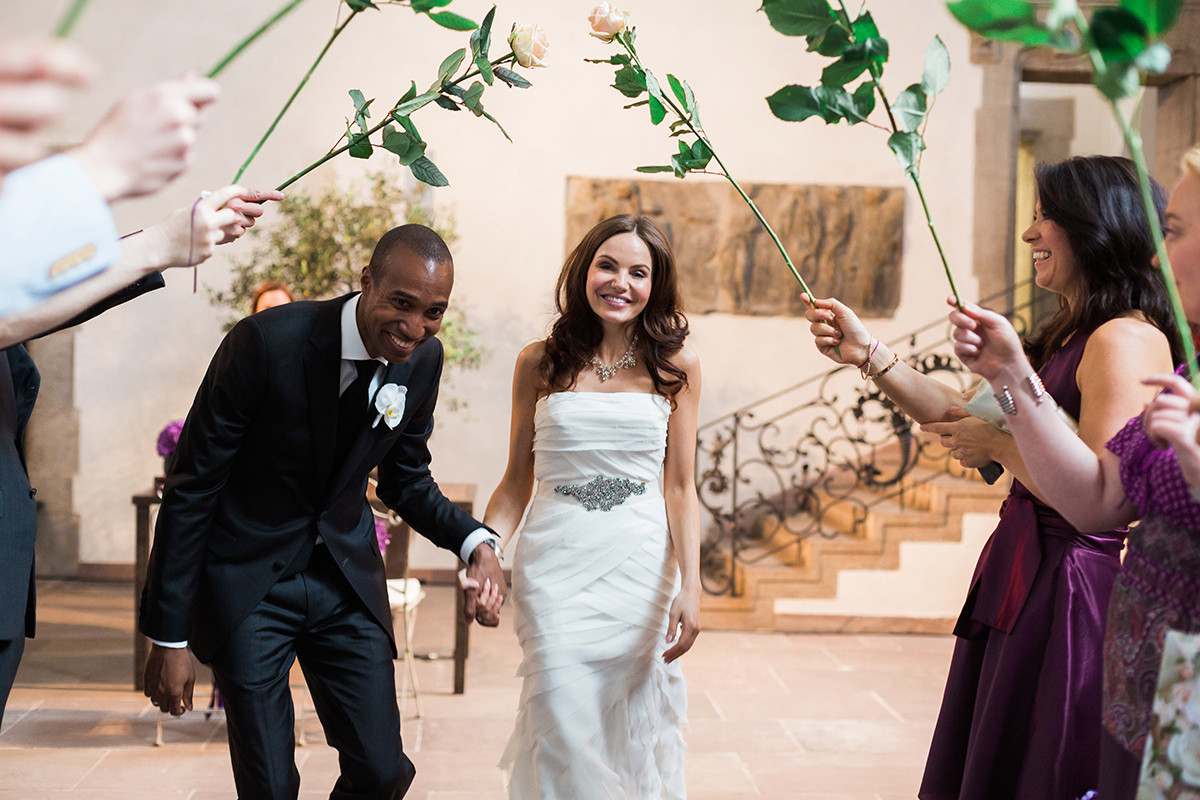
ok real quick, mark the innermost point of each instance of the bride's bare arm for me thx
(511, 496)
(683, 508)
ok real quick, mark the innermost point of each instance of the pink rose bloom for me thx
(529, 44)
(607, 21)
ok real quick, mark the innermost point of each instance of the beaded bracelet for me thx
(872, 376)
(1005, 400)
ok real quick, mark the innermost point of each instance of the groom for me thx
(265, 550)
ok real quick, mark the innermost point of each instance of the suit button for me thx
(277, 566)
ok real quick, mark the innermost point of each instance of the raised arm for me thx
(841, 337)
(1075, 474)
(185, 237)
(683, 509)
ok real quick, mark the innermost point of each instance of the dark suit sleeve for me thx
(227, 400)
(406, 484)
(147, 284)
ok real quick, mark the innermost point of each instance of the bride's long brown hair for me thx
(577, 332)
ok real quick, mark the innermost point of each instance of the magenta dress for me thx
(1020, 718)
(1158, 589)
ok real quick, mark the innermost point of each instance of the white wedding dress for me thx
(601, 715)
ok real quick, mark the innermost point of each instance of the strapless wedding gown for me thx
(593, 578)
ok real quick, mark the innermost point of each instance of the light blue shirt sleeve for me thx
(55, 231)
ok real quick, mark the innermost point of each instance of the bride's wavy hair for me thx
(576, 332)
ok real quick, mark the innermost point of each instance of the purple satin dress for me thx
(1020, 718)
(1157, 590)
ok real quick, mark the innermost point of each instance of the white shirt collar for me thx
(353, 348)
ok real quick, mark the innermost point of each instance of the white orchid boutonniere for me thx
(389, 402)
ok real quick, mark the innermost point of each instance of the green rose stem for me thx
(242, 45)
(295, 94)
(68, 21)
(387, 119)
(699, 134)
(913, 174)
(1138, 155)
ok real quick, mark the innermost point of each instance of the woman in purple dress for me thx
(1158, 588)
(1020, 718)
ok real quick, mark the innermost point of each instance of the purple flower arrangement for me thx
(382, 535)
(168, 437)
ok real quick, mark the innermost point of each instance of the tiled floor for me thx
(793, 716)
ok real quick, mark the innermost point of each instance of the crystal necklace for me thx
(605, 371)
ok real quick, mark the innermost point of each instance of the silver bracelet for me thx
(1005, 400)
(1036, 388)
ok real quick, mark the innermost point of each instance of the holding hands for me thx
(483, 586)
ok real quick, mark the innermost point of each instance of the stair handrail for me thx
(863, 456)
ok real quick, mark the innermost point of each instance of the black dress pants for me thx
(316, 617)
(10, 659)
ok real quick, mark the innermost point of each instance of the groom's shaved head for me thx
(420, 240)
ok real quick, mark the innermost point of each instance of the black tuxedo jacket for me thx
(253, 477)
(19, 382)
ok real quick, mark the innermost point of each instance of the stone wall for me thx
(846, 241)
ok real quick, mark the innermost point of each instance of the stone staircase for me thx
(897, 562)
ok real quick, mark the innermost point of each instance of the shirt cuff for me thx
(477, 537)
(172, 645)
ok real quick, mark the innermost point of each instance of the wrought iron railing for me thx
(801, 461)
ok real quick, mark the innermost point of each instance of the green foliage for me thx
(446, 91)
(318, 245)
(1121, 41)
(860, 53)
(633, 80)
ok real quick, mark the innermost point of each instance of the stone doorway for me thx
(1171, 118)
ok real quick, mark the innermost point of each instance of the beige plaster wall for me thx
(138, 367)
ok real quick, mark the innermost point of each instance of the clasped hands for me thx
(483, 586)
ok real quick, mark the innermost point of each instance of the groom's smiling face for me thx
(403, 303)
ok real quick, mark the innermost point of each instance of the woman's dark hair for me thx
(1097, 202)
(576, 333)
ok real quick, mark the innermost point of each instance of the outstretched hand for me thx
(985, 341)
(188, 235)
(838, 333)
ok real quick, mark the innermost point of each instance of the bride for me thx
(606, 582)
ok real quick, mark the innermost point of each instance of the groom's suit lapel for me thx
(366, 448)
(322, 374)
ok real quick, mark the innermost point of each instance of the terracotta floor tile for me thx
(779, 716)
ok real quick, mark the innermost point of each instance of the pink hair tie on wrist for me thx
(191, 242)
(870, 355)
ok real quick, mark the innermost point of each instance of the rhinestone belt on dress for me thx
(602, 493)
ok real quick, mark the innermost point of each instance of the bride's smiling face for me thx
(619, 278)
